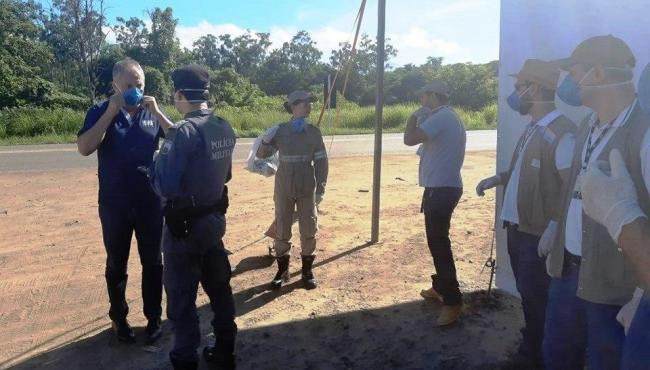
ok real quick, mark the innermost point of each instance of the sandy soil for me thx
(365, 314)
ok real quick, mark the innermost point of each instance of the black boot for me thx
(153, 331)
(221, 355)
(283, 272)
(123, 331)
(184, 365)
(307, 275)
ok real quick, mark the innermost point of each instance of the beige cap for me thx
(300, 95)
(539, 72)
(608, 51)
(435, 86)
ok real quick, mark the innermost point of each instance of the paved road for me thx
(26, 158)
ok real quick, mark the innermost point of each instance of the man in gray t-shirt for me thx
(437, 127)
(443, 153)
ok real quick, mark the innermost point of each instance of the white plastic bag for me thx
(262, 166)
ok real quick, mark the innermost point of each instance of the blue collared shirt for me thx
(129, 142)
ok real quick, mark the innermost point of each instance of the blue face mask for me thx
(569, 92)
(643, 90)
(298, 125)
(515, 103)
(133, 97)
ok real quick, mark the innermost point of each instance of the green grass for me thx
(42, 126)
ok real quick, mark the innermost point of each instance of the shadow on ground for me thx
(395, 337)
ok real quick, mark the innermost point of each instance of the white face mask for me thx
(190, 101)
(605, 85)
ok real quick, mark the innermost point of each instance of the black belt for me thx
(179, 220)
(570, 258)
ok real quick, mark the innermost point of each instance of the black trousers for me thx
(183, 272)
(120, 219)
(438, 205)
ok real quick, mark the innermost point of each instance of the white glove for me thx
(318, 198)
(610, 200)
(547, 240)
(626, 314)
(270, 134)
(486, 184)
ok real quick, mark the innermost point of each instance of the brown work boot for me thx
(271, 232)
(449, 314)
(431, 294)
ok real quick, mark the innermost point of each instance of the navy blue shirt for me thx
(129, 142)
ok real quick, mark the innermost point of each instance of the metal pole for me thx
(379, 119)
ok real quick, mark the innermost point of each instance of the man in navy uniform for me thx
(190, 174)
(125, 130)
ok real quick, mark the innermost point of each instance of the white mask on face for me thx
(191, 101)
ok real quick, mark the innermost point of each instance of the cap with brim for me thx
(435, 86)
(300, 95)
(608, 51)
(539, 72)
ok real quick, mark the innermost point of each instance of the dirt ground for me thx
(365, 314)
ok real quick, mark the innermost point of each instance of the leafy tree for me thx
(206, 51)
(132, 36)
(157, 84)
(75, 30)
(227, 87)
(163, 48)
(471, 86)
(23, 57)
(362, 80)
(296, 65)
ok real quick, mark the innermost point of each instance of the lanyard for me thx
(591, 147)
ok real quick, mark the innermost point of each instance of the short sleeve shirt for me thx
(442, 155)
(129, 142)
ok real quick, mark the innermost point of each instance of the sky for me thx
(457, 30)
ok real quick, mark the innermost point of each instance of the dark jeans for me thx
(565, 336)
(438, 205)
(119, 220)
(573, 325)
(183, 272)
(605, 337)
(636, 352)
(532, 283)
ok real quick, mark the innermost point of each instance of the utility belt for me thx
(179, 219)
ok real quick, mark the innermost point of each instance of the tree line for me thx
(60, 57)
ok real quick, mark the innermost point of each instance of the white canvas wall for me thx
(549, 30)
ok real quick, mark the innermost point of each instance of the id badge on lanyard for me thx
(577, 189)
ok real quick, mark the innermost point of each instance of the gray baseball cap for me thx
(300, 95)
(435, 86)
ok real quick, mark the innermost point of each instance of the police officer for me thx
(299, 183)
(125, 130)
(190, 173)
